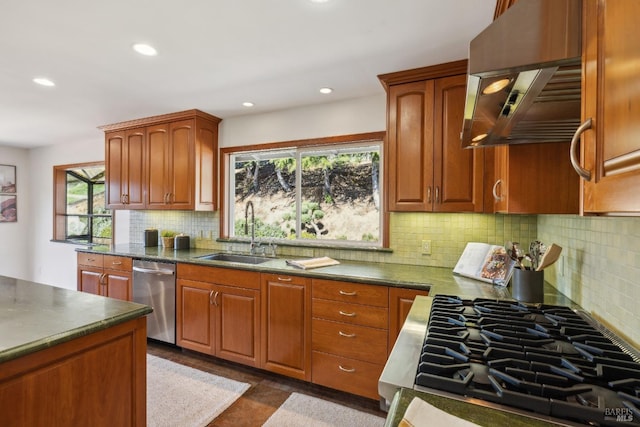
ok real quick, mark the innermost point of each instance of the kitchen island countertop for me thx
(34, 316)
(438, 280)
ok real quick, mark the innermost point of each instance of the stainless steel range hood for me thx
(535, 49)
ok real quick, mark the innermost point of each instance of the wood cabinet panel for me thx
(175, 158)
(98, 380)
(364, 315)
(195, 317)
(534, 179)
(350, 292)
(428, 170)
(410, 146)
(350, 375)
(221, 320)
(105, 275)
(352, 341)
(611, 148)
(400, 302)
(458, 172)
(286, 326)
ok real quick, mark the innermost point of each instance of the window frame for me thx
(306, 145)
(60, 204)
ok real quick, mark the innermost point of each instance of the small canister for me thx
(151, 237)
(181, 242)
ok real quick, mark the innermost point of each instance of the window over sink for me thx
(79, 201)
(314, 192)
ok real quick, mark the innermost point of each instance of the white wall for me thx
(54, 263)
(31, 254)
(14, 236)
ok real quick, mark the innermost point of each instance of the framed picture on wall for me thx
(8, 208)
(7, 179)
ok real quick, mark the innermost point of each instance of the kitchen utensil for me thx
(550, 256)
(536, 250)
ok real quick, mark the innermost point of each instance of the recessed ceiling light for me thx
(145, 49)
(326, 90)
(43, 81)
(248, 104)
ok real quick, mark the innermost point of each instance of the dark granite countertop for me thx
(34, 316)
(438, 280)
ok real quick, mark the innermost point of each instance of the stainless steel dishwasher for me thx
(154, 284)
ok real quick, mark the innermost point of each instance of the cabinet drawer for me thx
(220, 276)
(93, 260)
(352, 376)
(117, 263)
(364, 315)
(355, 293)
(352, 341)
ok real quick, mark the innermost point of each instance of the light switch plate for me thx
(426, 247)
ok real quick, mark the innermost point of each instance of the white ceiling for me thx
(213, 55)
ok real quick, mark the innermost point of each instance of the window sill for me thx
(328, 245)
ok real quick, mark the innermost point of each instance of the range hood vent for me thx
(525, 75)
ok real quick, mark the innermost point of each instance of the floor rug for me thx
(178, 395)
(307, 411)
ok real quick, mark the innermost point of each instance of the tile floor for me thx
(266, 393)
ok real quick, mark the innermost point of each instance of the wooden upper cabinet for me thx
(175, 167)
(125, 166)
(532, 179)
(428, 170)
(611, 147)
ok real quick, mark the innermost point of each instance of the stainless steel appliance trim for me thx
(154, 284)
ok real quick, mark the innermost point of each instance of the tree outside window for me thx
(317, 194)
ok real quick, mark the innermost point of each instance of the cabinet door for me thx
(400, 302)
(118, 285)
(286, 325)
(410, 146)
(90, 280)
(195, 316)
(611, 149)
(180, 170)
(124, 158)
(238, 324)
(458, 172)
(157, 166)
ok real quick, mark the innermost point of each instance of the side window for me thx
(79, 200)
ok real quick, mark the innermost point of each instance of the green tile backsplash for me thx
(599, 267)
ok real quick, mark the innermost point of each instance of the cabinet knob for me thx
(573, 150)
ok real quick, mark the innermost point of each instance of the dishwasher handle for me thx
(159, 271)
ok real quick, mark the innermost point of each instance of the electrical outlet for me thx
(426, 247)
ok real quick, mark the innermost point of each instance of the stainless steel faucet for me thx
(252, 245)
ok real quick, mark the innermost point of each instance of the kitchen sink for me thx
(238, 258)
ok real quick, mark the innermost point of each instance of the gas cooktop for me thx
(537, 358)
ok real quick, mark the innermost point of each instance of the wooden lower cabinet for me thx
(350, 335)
(286, 325)
(106, 275)
(400, 302)
(95, 380)
(218, 312)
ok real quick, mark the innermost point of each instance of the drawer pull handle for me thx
(284, 279)
(343, 369)
(344, 313)
(349, 294)
(116, 263)
(91, 259)
(344, 334)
